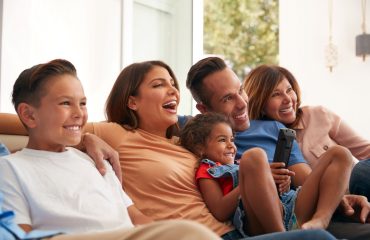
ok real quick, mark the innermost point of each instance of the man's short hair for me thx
(198, 72)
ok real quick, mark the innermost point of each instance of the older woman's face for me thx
(282, 104)
(156, 102)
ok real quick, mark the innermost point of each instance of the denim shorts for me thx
(288, 200)
(239, 218)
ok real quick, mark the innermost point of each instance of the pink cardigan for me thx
(319, 129)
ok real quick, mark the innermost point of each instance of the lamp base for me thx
(363, 45)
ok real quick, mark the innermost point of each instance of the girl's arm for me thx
(222, 207)
(301, 170)
(282, 176)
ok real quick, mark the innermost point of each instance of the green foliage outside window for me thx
(244, 32)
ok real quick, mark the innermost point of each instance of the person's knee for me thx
(341, 155)
(254, 159)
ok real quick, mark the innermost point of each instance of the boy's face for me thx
(228, 97)
(58, 120)
(220, 145)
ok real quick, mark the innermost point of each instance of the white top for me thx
(62, 191)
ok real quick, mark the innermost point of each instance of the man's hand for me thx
(282, 176)
(355, 207)
(99, 150)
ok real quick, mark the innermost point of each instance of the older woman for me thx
(274, 94)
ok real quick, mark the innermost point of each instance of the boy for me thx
(51, 186)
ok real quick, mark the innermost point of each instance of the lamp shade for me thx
(363, 45)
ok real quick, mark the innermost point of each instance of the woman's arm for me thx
(337, 130)
(345, 136)
(222, 207)
(137, 217)
(11, 124)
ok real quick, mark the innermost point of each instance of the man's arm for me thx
(11, 124)
(355, 207)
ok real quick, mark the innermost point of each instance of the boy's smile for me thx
(61, 115)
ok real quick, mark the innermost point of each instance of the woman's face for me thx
(282, 104)
(156, 102)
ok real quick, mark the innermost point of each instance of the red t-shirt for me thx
(226, 183)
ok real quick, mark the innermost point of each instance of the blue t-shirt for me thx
(264, 134)
(182, 120)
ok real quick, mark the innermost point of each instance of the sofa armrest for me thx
(14, 142)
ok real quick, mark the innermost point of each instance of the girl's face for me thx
(156, 102)
(220, 145)
(282, 104)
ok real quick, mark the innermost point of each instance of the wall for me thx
(88, 35)
(163, 30)
(99, 37)
(304, 34)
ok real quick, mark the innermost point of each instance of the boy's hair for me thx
(196, 75)
(29, 86)
(197, 131)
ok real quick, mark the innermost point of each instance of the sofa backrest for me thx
(14, 142)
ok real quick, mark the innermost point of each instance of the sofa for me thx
(10, 134)
(13, 142)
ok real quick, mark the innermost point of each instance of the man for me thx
(215, 87)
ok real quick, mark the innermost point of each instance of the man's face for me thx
(227, 97)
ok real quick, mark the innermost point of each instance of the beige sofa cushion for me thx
(14, 142)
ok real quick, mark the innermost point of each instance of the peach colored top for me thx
(158, 175)
(320, 129)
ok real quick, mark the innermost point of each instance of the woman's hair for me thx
(126, 85)
(260, 83)
(197, 131)
(29, 86)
